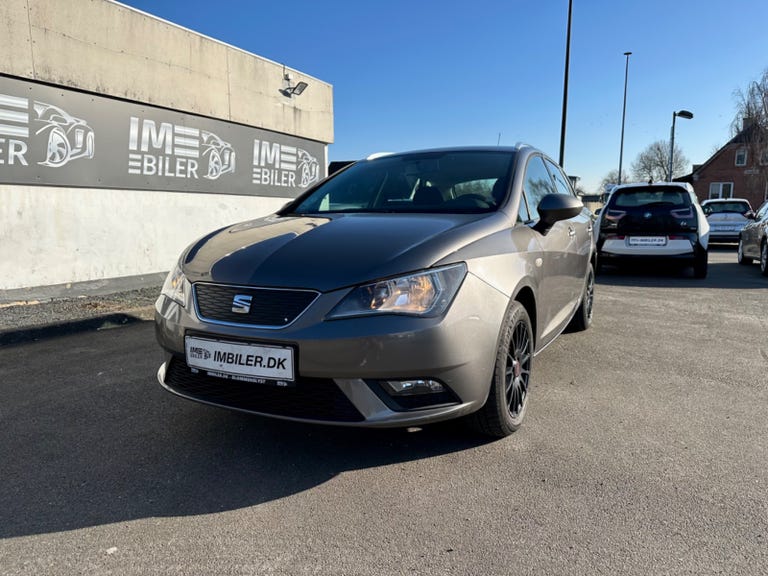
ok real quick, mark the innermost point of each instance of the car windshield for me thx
(715, 207)
(439, 181)
(650, 196)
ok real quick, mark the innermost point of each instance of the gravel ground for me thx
(26, 315)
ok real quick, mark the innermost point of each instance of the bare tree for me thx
(752, 106)
(652, 164)
(612, 178)
(751, 122)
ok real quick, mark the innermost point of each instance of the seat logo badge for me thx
(241, 303)
(647, 215)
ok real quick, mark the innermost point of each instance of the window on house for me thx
(764, 158)
(721, 190)
(741, 157)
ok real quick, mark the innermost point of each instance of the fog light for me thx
(412, 387)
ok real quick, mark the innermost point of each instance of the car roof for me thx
(716, 200)
(645, 185)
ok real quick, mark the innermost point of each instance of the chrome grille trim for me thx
(312, 296)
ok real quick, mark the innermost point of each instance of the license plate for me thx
(647, 240)
(258, 363)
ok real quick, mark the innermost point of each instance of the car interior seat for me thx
(499, 191)
(427, 196)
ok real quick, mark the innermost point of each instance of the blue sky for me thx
(412, 74)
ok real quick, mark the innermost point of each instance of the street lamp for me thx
(565, 86)
(623, 113)
(683, 114)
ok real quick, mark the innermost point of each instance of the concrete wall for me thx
(61, 236)
(108, 48)
(56, 236)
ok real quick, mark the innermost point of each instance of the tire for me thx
(700, 263)
(583, 317)
(764, 258)
(740, 258)
(504, 410)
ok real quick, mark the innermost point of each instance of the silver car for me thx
(727, 218)
(403, 290)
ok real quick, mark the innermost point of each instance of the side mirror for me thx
(556, 207)
(749, 214)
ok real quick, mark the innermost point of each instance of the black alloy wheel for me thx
(517, 375)
(504, 410)
(583, 317)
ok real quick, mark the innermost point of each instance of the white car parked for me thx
(653, 221)
(727, 218)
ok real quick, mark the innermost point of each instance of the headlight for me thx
(424, 294)
(176, 286)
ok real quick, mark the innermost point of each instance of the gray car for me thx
(403, 290)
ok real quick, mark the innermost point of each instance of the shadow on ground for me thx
(724, 273)
(92, 440)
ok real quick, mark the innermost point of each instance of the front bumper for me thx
(339, 362)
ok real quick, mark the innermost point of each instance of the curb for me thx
(45, 331)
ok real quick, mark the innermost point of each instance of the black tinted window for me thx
(451, 181)
(632, 197)
(537, 184)
(562, 185)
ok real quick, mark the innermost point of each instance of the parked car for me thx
(662, 221)
(402, 290)
(753, 240)
(726, 217)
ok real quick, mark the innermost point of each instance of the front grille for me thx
(269, 307)
(310, 398)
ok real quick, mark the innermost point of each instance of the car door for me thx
(750, 234)
(579, 248)
(556, 282)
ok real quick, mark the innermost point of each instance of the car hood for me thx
(327, 253)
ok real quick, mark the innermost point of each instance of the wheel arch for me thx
(527, 298)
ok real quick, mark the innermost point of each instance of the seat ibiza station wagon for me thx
(403, 290)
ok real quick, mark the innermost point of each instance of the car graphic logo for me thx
(220, 155)
(241, 303)
(199, 353)
(67, 138)
(647, 215)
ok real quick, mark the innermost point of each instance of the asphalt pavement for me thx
(27, 320)
(643, 452)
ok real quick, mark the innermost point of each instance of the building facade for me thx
(737, 170)
(124, 137)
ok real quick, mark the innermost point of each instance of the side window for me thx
(561, 180)
(536, 185)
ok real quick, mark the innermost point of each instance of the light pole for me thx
(623, 113)
(565, 86)
(683, 114)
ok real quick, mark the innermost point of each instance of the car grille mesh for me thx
(269, 307)
(310, 398)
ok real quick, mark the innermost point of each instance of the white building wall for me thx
(53, 235)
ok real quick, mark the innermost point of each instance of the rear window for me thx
(657, 196)
(717, 207)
